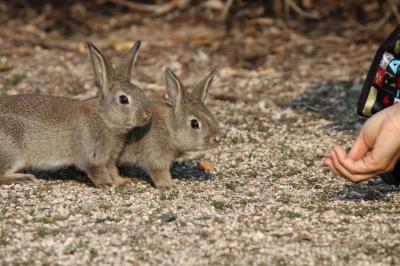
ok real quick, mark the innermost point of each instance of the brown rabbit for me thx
(182, 125)
(51, 132)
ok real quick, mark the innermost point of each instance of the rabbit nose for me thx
(214, 139)
(147, 114)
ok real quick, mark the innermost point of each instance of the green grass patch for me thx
(45, 220)
(168, 195)
(4, 242)
(290, 214)
(358, 210)
(42, 232)
(220, 205)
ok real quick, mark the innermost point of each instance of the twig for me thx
(231, 98)
(225, 11)
(381, 23)
(149, 8)
(21, 51)
(137, 6)
(34, 39)
(277, 8)
(48, 43)
(299, 11)
(394, 10)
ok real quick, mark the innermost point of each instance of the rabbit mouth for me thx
(205, 147)
(211, 146)
(119, 126)
(129, 125)
(144, 121)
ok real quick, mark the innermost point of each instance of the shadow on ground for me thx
(183, 170)
(336, 101)
(332, 100)
(375, 189)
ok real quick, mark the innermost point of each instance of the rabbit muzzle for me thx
(214, 140)
(144, 116)
(147, 114)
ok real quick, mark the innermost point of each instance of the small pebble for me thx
(167, 217)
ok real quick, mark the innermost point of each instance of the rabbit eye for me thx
(123, 99)
(194, 123)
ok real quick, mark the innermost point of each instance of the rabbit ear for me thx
(175, 90)
(102, 68)
(201, 88)
(124, 70)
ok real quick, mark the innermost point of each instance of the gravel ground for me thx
(268, 202)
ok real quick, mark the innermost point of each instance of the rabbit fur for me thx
(181, 125)
(45, 132)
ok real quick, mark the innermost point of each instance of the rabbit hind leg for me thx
(18, 178)
(8, 168)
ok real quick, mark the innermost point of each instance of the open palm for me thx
(375, 151)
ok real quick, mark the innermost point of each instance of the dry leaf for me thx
(82, 48)
(304, 236)
(264, 21)
(122, 46)
(5, 66)
(279, 50)
(214, 4)
(200, 42)
(205, 165)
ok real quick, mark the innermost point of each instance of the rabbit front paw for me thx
(120, 181)
(164, 183)
(103, 182)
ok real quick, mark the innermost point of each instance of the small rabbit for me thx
(182, 125)
(46, 132)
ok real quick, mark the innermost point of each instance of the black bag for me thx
(382, 85)
(382, 88)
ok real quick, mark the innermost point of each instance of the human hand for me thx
(376, 150)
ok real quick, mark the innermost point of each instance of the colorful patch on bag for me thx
(387, 101)
(389, 82)
(370, 101)
(386, 58)
(378, 79)
(397, 47)
(397, 98)
(384, 99)
(393, 66)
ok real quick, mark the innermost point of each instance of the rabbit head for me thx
(194, 126)
(122, 104)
